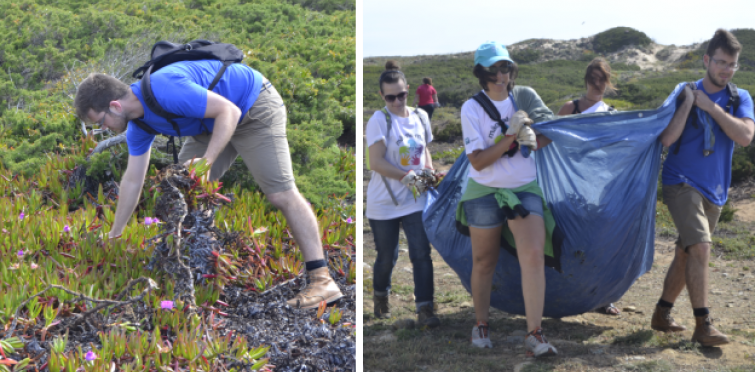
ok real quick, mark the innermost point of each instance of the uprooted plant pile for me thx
(197, 282)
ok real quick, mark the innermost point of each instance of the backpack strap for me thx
(419, 112)
(576, 107)
(151, 101)
(493, 113)
(388, 123)
(733, 102)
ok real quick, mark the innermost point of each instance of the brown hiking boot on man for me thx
(321, 287)
(706, 334)
(382, 307)
(662, 320)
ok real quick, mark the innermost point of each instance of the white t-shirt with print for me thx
(405, 150)
(481, 132)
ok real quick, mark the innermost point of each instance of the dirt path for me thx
(589, 341)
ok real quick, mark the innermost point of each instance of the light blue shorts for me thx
(484, 213)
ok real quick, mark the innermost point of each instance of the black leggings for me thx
(429, 109)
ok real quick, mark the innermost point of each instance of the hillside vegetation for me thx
(305, 47)
(555, 69)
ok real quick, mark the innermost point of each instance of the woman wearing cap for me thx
(427, 96)
(597, 80)
(500, 171)
(397, 157)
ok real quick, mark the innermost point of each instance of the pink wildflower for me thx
(21, 216)
(90, 356)
(167, 305)
(66, 228)
(20, 253)
(34, 266)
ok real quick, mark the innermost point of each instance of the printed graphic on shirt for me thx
(412, 154)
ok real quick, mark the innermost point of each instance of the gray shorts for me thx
(260, 139)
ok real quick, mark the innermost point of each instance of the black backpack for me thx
(164, 53)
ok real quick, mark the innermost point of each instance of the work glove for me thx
(527, 137)
(518, 120)
(409, 179)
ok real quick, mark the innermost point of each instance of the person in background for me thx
(397, 157)
(597, 82)
(499, 174)
(427, 96)
(696, 183)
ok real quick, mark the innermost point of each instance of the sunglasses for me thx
(494, 70)
(392, 97)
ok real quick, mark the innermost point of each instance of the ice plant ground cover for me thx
(70, 301)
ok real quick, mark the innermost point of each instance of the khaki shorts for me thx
(260, 139)
(694, 215)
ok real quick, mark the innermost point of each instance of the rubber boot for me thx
(662, 320)
(321, 287)
(706, 334)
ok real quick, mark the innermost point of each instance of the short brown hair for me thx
(484, 78)
(599, 64)
(427, 80)
(96, 92)
(726, 41)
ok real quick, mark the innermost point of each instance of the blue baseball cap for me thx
(491, 52)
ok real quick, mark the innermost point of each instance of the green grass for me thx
(650, 366)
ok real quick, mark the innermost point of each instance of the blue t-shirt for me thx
(711, 175)
(181, 88)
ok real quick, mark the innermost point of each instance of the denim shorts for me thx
(484, 212)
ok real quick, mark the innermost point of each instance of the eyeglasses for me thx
(392, 97)
(102, 121)
(722, 64)
(494, 70)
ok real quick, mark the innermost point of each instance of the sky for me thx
(412, 27)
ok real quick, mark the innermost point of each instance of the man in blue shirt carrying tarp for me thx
(242, 115)
(696, 177)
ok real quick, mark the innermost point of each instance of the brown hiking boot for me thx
(382, 307)
(662, 320)
(321, 287)
(426, 317)
(706, 334)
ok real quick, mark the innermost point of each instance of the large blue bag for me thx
(599, 177)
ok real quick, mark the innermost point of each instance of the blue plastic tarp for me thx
(599, 177)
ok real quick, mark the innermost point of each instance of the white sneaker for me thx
(480, 337)
(536, 345)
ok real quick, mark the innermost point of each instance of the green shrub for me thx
(743, 164)
(525, 56)
(727, 213)
(615, 39)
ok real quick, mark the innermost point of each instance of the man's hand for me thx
(518, 120)
(703, 102)
(687, 94)
(527, 137)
